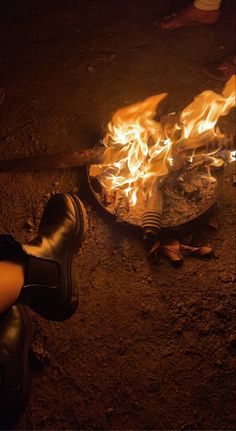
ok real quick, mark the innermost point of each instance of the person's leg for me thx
(38, 274)
(11, 283)
(15, 342)
(207, 4)
(200, 12)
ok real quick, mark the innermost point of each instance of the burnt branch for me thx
(67, 159)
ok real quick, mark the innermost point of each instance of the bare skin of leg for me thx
(11, 283)
(190, 16)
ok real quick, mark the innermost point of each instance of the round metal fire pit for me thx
(184, 200)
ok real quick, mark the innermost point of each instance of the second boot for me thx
(50, 288)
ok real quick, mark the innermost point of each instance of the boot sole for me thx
(82, 213)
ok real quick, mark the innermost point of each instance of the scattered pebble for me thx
(91, 69)
(220, 312)
(226, 278)
(40, 354)
(109, 411)
(232, 341)
(2, 95)
(29, 225)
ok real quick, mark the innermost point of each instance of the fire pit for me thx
(184, 200)
(160, 173)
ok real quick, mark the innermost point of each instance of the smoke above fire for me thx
(140, 149)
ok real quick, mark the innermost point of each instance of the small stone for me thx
(29, 225)
(204, 330)
(91, 69)
(232, 418)
(178, 332)
(110, 410)
(219, 363)
(220, 312)
(226, 278)
(232, 341)
(2, 95)
(108, 413)
(40, 354)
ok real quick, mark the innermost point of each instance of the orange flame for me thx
(139, 149)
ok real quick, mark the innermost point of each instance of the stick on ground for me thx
(67, 159)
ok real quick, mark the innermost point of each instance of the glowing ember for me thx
(139, 149)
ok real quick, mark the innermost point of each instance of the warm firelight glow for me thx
(139, 149)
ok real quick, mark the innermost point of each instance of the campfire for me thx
(152, 172)
(161, 173)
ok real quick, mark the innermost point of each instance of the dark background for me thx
(150, 347)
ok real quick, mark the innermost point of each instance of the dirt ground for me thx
(151, 346)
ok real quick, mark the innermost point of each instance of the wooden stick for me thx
(203, 141)
(43, 162)
(91, 156)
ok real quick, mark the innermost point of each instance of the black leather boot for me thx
(50, 288)
(15, 341)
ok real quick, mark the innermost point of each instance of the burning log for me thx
(202, 142)
(121, 209)
(53, 161)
